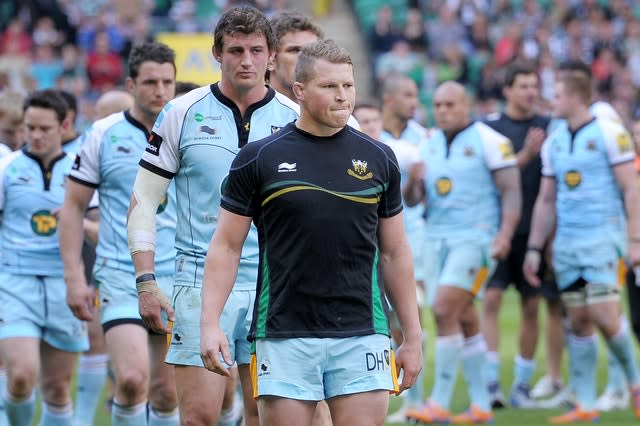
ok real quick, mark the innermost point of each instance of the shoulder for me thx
(376, 146)
(10, 159)
(487, 133)
(100, 127)
(286, 103)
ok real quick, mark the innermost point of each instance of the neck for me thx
(243, 98)
(518, 113)
(579, 118)
(393, 124)
(47, 159)
(315, 128)
(146, 119)
(287, 91)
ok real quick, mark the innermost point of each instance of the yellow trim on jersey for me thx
(253, 372)
(479, 280)
(362, 200)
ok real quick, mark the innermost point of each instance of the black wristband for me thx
(145, 277)
(536, 249)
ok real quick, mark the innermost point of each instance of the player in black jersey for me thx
(527, 130)
(326, 200)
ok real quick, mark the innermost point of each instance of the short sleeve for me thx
(545, 156)
(161, 154)
(391, 199)
(498, 149)
(86, 165)
(618, 143)
(4, 163)
(240, 194)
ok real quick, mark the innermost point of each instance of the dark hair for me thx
(245, 20)
(577, 66)
(290, 21)
(150, 52)
(515, 70)
(321, 49)
(367, 105)
(48, 99)
(183, 87)
(70, 99)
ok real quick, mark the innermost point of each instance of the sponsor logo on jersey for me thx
(287, 167)
(506, 149)
(359, 170)
(123, 149)
(468, 151)
(208, 130)
(264, 368)
(76, 163)
(24, 179)
(153, 145)
(43, 223)
(198, 117)
(591, 145)
(275, 129)
(572, 178)
(379, 361)
(624, 142)
(443, 186)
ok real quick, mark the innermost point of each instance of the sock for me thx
(448, 349)
(493, 369)
(163, 418)
(20, 412)
(53, 415)
(3, 385)
(522, 371)
(134, 415)
(474, 358)
(92, 373)
(415, 394)
(621, 348)
(583, 359)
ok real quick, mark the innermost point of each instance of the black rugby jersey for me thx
(316, 202)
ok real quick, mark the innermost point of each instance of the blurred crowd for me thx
(82, 46)
(472, 41)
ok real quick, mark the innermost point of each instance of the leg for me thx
(366, 408)
(633, 292)
(490, 309)
(285, 412)
(322, 415)
(200, 394)
(22, 361)
(57, 369)
(129, 354)
(232, 404)
(92, 374)
(524, 364)
(250, 405)
(554, 330)
(163, 401)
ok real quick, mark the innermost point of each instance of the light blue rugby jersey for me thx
(589, 203)
(29, 194)
(195, 139)
(108, 161)
(415, 135)
(462, 198)
(73, 146)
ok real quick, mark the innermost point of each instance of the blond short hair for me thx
(321, 49)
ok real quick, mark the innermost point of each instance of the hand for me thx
(409, 360)
(151, 303)
(533, 141)
(500, 247)
(81, 299)
(213, 342)
(531, 267)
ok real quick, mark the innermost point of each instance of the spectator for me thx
(400, 60)
(104, 67)
(414, 31)
(15, 40)
(46, 67)
(383, 35)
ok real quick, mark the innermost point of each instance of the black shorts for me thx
(509, 271)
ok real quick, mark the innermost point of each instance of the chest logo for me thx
(468, 151)
(572, 178)
(443, 186)
(208, 130)
(591, 145)
(287, 167)
(275, 129)
(43, 223)
(359, 170)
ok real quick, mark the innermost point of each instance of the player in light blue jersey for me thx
(472, 190)
(194, 141)
(589, 189)
(404, 135)
(108, 162)
(39, 336)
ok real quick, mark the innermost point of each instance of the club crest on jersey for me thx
(275, 129)
(468, 151)
(443, 186)
(591, 145)
(359, 170)
(572, 178)
(43, 223)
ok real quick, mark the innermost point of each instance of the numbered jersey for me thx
(589, 203)
(194, 141)
(462, 198)
(29, 196)
(108, 161)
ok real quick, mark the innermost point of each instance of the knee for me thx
(530, 311)
(193, 418)
(492, 302)
(56, 392)
(131, 385)
(162, 395)
(443, 315)
(21, 380)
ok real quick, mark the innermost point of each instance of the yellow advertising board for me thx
(194, 61)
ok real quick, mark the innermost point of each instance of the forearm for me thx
(413, 192)
(631, 200)
(220, 271)
(542, 223)
(143, 262)
(511, 207)
(400, 285)
(71, 234)
(91, 229)
(147, 193)
(523, 158)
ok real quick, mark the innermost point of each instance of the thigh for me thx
(162, 384)
(20, 354)
(359, 364)
(236, 323)
(467, 266)
(128, 349)
(118, 295)
(23, 306)
(361, 409)
(200, 394)
(433, 254)
(284, 411)
(184, 344)
(62, 329)
(57, 370)
(603, 263)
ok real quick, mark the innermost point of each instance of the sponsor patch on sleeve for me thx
(76, 163)
(153, 145)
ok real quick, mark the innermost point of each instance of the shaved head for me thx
(111, 102)
(451, 106)
(399, 98)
